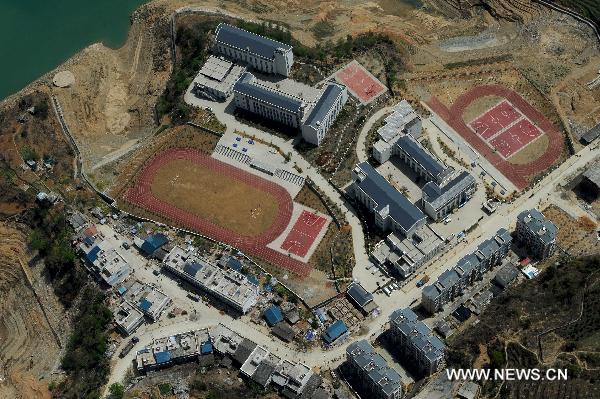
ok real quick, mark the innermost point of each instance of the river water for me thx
(38, 35)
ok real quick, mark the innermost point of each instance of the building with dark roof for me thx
(362, 298)
(591, 135)
(416, 343)
(439, 201)
(391, 209)
(591, 181)
(243, 351)
(536, 233)
(452, 282)
(335, 332)
(370, 374)
(258, 52)
(284, 332)
(414, 155)
(324, 113)
(268, 103)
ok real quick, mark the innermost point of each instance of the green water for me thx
(38, 35)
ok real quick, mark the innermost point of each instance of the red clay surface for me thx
(515, 137)
(359, 82)
(303, 234)
(141, 195)
(495, 120)
(517, 174)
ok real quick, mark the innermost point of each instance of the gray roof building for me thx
(416, 341)
(323, 106)
(385, 200)
(537, 233)
(247, 86)
(371, 374)
(248, 41)
(361, 297)
(439, 201)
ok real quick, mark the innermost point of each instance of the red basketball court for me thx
(495, 120)
(515, 137)
(303, 234)
(360, 82)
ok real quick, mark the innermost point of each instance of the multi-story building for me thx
(261, 53)
(402, 120)
(370, 373)
(416, 343)
(536, 233)
(391, 209)
(407, 149)
(229, 286)
(216, 79)
(471, 267)
(439, 201)
(174, 349)
(324, 113)
(105, 261)
(407, 254)
(271, 104)
(127, 317)
(149, 299)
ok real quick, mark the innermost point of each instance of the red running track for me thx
(303, 234)
(517, 174)
(141, 195)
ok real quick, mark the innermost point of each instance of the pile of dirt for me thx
(29, 347)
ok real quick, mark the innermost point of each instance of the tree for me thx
(116, 391)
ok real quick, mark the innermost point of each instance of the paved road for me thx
(361, 153)
(505, 216)
(223, 114)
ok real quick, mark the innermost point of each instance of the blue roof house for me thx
(153, 243)
(334, 332)
(273, 315)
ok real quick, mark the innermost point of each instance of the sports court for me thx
(303, 234)
(515, 137)
(360, 82)
(494, 120)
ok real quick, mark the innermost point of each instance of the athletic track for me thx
(141, 195)
(515, 173)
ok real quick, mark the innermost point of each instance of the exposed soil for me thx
(220, 199)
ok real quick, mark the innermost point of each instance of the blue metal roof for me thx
(246, 87)
(121, 290)
(234, 264)
(321, 109)
(273, 315)
(334, 331)
(252, 280)
(192, 268)
(415, 151)
(145, 304)
(153, 242)
(206, 348)
(162, 357)
(92, 256)
(383, 193)
(248, 41)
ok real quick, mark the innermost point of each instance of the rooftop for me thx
(439, 196)
(334, 331)
(537, 224)
(414, 150)
(385, 195)
(247, 41)
(323, 106)
(247, 85)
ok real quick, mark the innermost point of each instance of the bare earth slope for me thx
(28, 347)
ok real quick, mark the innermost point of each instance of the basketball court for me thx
(360, 82)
